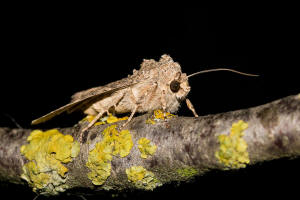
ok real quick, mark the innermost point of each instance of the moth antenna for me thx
(221, 69)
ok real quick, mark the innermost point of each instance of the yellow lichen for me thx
(136, 173)
(89, 118)
(46, 152)
(112, 119)
(99, 163)
(146, 148)
(104, 120)
(142, 178)
(159, 115)
(162, 115)
(121, 141)
(233, 148)
(99, 159)
(34, 177)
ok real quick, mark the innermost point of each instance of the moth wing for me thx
(117, 85)
(84, 98)
(56, 112)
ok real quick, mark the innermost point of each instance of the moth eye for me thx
(175, 86)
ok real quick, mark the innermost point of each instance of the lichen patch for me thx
(142, 178)
(146, 148)
(159, 115)
(233, 148)
(104, 120)
(99, 162)
(114, 143)
(46, 152)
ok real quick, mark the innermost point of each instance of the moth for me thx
(156, 85)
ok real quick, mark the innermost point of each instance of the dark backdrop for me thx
(49, 53)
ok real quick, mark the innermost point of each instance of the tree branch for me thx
(186, 147)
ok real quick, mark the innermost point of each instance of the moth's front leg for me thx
(163, 101)
(191, 107)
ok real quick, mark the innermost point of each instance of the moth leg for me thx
(130, 117)
(113, 110)
(163, 102)
(136, 105)
(90, 125)
(191, 107)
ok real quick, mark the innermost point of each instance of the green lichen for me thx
(159, 115)
(142, 178)
(233, 148)
(46, 152)
(114, 143)
(146, 148)
(187, 172)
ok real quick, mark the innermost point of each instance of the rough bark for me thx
(273, 132)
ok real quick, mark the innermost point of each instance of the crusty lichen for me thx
(146, 148)
(142, 178)
(99, 159)
(121, 141)
(104, 120)
(233, 148)
(187, 172)
(159, 115)
(99, 162)
(46, 152)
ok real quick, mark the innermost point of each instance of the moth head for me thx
(174, 82)
(179, 85)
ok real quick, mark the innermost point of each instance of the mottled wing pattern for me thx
(123, 83)
(87, 97)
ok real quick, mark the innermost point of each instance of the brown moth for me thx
(156, 85)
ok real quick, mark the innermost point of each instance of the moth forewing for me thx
(79, 102)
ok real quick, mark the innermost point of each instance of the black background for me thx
(50, 52)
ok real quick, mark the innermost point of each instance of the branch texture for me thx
(185, 147)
